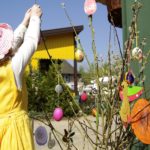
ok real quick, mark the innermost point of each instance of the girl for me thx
(16, 49)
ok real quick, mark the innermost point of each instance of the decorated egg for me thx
(79, 55)
(90, 7)
(58, 89)
(134, 92)
(84, 97)
(140, 122)
(41, 135)
(94, 112)
(58, 114)
(129, 78)
(136, 53)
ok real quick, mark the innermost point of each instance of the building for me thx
(114, 9)
(57, 44)
(67, 71)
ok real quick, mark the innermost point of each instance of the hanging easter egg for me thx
(137, 53)
(129, 78)
(134, 92)
(58, 89)
(94, 112)
(41, 135)
(58, 114)
(90, 7)
(84, 97)
(79, 56)
(140, 120)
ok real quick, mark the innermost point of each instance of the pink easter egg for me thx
(84, 97)
(58, 114)
(90, 7)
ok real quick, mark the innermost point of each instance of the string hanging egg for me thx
(90, 7)
(134, 92)
(58, 114)
(137, 53)
(84, 97)
(140, 120)
(94, 112)
(129, 78)
(58, 89)
(79, 56)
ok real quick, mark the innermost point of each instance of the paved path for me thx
(79, 139)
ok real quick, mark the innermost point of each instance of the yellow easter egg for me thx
(79, 56)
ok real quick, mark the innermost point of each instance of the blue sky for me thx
(54, 17)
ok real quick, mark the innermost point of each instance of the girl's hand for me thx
(27, 17)
(36, 10)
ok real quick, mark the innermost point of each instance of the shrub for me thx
(42, 95)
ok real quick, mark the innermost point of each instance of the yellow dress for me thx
(15, 127)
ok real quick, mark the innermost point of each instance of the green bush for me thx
(43, 97)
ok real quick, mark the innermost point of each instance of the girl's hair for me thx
(6, 58)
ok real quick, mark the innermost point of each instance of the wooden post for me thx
(75, 73)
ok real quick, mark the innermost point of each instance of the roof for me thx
(65, 30)
(67, 68)
(102, 1)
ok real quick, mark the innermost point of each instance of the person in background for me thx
(16, 49)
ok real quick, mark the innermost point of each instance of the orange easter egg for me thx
(94, 112)
(140, 115)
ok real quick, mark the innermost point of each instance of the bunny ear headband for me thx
(6, 39)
